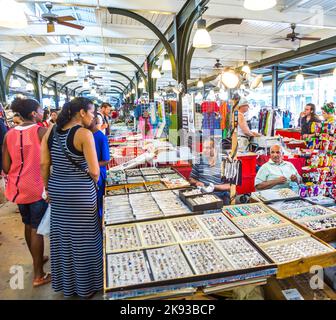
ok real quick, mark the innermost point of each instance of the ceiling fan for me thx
(93, 77)
(81, 61)
(293, 36)
(218, 65)
(52, 18)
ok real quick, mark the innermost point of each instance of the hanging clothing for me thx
(76, 248)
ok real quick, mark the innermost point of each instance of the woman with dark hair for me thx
(53, 117)
(306, 122)
(44, 122)
(17, 119)
(21, 162)
(75, 238)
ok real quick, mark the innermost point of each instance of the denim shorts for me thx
(32, 213)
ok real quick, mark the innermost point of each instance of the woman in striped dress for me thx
(75, 238)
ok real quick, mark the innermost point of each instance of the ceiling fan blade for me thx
(87, 62)
(71, 25)
(50, 27)
(309, 38)
(65, 18)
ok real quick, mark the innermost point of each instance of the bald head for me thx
(276, 154)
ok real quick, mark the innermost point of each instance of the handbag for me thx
(77, 165)
(44, 226)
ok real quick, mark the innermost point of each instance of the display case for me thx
(267, 196)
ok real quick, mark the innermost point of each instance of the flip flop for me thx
(43, 280)
(45, 259)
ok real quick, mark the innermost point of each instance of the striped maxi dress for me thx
(75, 238)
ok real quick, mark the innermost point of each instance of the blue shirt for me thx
(103, 153)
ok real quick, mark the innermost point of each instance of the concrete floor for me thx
(14, 252)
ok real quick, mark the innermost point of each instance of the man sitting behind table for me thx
(276, 173)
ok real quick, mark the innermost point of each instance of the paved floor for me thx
(14, 252)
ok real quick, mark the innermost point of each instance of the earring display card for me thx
(149, 171)
(156, 233)
(241, 253)
(312, 211)
(155, 187)
(276, 234)
(153, 178)
(169, 203)
(206, 258)
(136, 189)
(295, 249)
(144, 206)
(166, 170)
(261, 221)
(288, 205)
(276, 194)
(219, 226)
(122, 238)
(128, 268)
(168, 263)
(320, 223)
(136, 179)
(245, 210)
(133, 172)
(188, 229)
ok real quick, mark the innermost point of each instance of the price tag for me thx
(292, 294)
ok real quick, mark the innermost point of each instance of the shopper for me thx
(276, 173)
(307, 121)
(145, 126)
(21, 162)
(207, 170)
(244, 132)
(17, 119)
(45, 119)
(328, 112)
(53, 118)
(104, 118)
(75, 237)
(103, 154)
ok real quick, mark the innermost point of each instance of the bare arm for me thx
(6, 160)
(45, 159)
(270, 184)
(196, 183)
(85, 139)
(244, 127)
(222, 187)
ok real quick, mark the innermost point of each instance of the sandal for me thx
(43, 280)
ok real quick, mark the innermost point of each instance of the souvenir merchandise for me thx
(241, 253)
(156, 233)
(126, 269)
(169, 203)
(206, 258)
(320, 223)
(295, 249)
(149, 171)
(144, 206)
(275, 194)
(122, 238)
(312, 211)
(219, 226)
(288, 205)
(153, 178)
(188, 229)
(203, 202)
(155, 187)
(113, 192)
(171, 176)
(115, 177)
(168, 263)
(203, 199)
(231, 171)
(136, 189)
(133, 172)
(117, 209)
(191, 192)
(166, 170)
(321, 200)
(135, 179)
(276, 234)
(245, 210)
(259, 221)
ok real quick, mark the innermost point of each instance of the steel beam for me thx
(116, 87)
(16, 63)
(51, 76)
(123, 75)
(74, 90)
(211, 27)
(116, 81)
(275, 86)
(153, 28)
(65, 84)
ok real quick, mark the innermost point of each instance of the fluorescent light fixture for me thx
(202, 37)
(70, 69)
(259, 5)
(156, 74)
(15, 82)
(12, 15)
(166, 65)
(29, 86)
(200, 83)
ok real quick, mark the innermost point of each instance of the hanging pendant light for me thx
(70, 69)
(199, 96)
(29, 86)
(141, 84)
(133, 91)
(299, 79)
(200, 83)
(202, 37)
(259, 5)
(230, 79)
(166, 65)
(156, 74)
(51, 92)
(45, 91)
(12, 15)
(15, 83)
(246, 68)
(86, 83)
